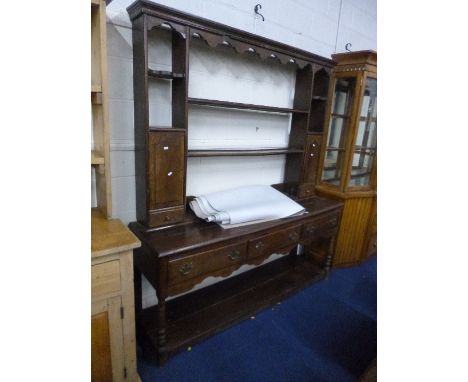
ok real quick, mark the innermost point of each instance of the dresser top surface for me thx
(110, 236)
(183, 238)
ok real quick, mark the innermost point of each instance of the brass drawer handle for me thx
(186, 268)
(333, 221)
(259, 246)
(234, 255)
(294, 236)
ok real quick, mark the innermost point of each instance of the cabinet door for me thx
(166, 169)
(101, 363)
(107, 345)
(312, 155)
(365, 142)
(337, 131)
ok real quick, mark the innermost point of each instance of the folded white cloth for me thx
(244, 205)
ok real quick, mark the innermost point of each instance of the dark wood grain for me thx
(145, 7)
(199, 234)
(179, 250)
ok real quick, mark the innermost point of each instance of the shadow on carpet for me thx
(327, 332)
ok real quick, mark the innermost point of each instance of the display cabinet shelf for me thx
(164, 74)
(241, 152)
(243, 106)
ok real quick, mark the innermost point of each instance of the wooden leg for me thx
(137, 292)
(330, 254)
(162, 352)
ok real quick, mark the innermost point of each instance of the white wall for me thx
(313, 25)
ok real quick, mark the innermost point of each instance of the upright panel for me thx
(140, 92)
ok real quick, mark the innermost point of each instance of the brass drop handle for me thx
(186, 268)
(234, 255)
(259, 245)
(333, 221)
(293, 236)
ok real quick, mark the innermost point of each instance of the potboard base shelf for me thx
(200, 314)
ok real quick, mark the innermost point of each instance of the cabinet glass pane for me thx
(332, 166)
(342, 99)
(366, 137)
(362, 167)
(335, 132)
(367, 134)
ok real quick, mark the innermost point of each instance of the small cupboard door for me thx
(166, 169)
(107, 344)
(313, 147)
(101, 362)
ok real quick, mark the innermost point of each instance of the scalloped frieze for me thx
(213, 40)
(155, 22)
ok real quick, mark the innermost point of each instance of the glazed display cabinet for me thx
(348, 159)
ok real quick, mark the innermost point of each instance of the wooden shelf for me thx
(319, 98)
(96, 158)
(165, 128)
(164, 74)
(96, 88)
(246, 152)
(199, 314)
(243, 106)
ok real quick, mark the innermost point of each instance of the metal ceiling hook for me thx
(257, 7)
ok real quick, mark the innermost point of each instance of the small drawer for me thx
(268, 244)
(105, 278)
(321, 226)
(197, 264)
(306, 190)
(166, 216)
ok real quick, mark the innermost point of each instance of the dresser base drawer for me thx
(205, 263)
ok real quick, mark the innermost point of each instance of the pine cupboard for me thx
(113, 354)
(348, 159)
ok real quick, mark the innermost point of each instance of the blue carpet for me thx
(327, 332)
